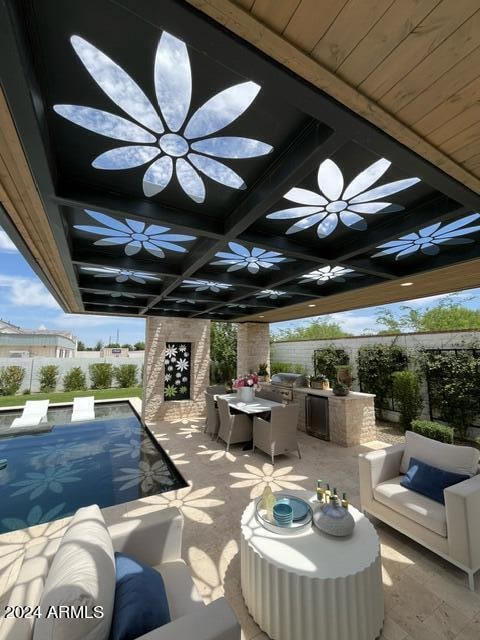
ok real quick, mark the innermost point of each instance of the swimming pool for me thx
(106, 461)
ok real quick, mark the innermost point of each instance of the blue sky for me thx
(26, 302)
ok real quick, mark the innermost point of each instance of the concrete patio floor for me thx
(425, 597)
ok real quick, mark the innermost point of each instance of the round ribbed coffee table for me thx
(312, 586)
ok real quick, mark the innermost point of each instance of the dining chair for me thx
(213, 422)
(280, 434)
(233, 427)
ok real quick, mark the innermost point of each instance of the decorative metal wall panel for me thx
(178, 370)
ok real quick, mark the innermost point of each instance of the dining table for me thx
(258, 406)
(254, 407)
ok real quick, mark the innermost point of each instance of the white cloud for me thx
(75, 320)
(27, 293)
(6, 244)
(355, 323)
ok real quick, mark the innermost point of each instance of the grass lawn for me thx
(67, 396)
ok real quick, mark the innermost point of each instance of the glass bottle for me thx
(344, 501)
(320, 492)
(328, 494)
(268, 502)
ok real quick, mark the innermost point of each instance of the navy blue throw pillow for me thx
(429, 481)
(140, 600)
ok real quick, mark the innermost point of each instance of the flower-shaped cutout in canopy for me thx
(428, 239)
(271, 294)
(178, 143)
(205, 285)
(325, 274)
(253, 261)
(120, 275)
(135, 235)
(336, 202)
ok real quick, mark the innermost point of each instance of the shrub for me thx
(126, 375)
(11, 379)
(326, 361)
(101, 375)
(376, 364)
(433, 430)
(286, 367)
(453, 379)
(75, 380)
(48, 378)
(407, 395)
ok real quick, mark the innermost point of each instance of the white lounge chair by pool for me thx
(83, 409)
(34, 412)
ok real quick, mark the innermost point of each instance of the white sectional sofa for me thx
(154, 539)
(452, 530)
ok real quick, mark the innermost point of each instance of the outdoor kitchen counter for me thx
(351, 418)
(353, 395)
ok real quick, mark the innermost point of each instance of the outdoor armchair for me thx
(213, 421)
(451, 530)
(279, 435)
(233, 427)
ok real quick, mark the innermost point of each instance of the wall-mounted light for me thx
(312, 305)
(406, 284)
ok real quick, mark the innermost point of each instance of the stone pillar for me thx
(253, 346)
(159, 331)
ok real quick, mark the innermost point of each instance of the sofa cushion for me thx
(416, 507)
(430, 481)
(182, 595)
(82, 574)
(141, 603)
(449, 457)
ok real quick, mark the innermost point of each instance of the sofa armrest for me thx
(462, 504)
(153, 538)
(376, 467)
(215, 622)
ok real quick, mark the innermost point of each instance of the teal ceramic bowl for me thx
(283, 514)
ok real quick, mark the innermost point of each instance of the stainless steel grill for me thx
(284, 383)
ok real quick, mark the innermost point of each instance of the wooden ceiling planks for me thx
(21, 201)
(416, 60)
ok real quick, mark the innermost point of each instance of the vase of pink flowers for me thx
(245, 386)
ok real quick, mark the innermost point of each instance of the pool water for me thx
(105, 461)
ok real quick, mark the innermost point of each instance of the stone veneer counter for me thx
(351, 417)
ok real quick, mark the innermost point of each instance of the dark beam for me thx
(140, 209)
(93, 298)
(312, 144)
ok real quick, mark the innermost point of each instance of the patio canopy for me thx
(182, 172)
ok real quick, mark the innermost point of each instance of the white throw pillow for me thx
(448, 457)
(82, 573)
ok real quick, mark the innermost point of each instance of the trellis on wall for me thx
(178, 361)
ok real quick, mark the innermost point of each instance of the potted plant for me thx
(344, 374)
(245, 386)
(319, 382)
(340, 389)
(263, 372)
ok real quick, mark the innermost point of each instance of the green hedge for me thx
(101, 375)
(48, 378)
(126, 375)
(433, 430)
(325, 362)
(376, 364)
(11, 379)
(75, 380)
(286, 367)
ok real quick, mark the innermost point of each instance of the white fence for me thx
(32, 366)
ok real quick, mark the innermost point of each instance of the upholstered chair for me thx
(280, 434)
(233, 427)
